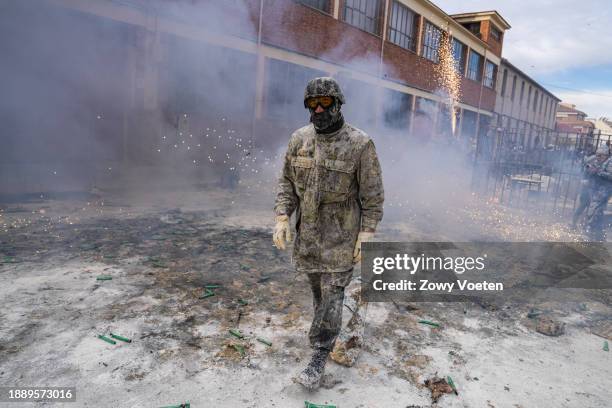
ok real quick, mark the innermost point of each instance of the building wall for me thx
(171, 69)
(294, 27)
(485, 30)
(514, 113)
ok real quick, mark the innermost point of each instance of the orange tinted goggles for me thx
(324, 101)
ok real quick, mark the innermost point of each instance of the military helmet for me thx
(323, 86)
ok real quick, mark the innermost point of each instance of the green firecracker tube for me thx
(239, 349)
(606, 347)
(106, 339)
(212, 286)
(104, 277)
(430, 323)
(264, 341)
(207, 293)
(311, 405)
(236, 333)
(185, 405)
(116, 336)
(452, 384)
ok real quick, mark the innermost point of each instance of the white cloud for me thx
(549, 35)
(593, 105)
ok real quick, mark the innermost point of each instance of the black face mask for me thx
(329, 120)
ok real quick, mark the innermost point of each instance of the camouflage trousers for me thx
(595, 214)
(584, 200)
(328, 300)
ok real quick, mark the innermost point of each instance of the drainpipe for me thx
(380, 65)
(479, 102)
(258, 72)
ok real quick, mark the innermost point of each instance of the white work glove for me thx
(282, 231)
(362, 237)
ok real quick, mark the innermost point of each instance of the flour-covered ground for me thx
(161, 250)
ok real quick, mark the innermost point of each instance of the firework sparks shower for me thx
(447, 76)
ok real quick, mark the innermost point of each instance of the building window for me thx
(364, 14)
(396, 108)
(359, 94)
(468, 127)
(522, 92)
(322, 5)
(535, 101)
(474, 28)
(504, 80)
(513, 88)
(529, 98)
(431, 42)
(541, 100)
(475, 66)
(284, 96)
(489, 74)
(403, 26)
(495, 33)
(459, 55)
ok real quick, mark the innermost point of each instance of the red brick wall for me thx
(470, 91)
(494, 46)
(305, 30)
(298, 28)
(404, 66)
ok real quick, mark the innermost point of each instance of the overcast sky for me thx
(566, 45)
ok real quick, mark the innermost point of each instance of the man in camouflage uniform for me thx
(602, 190)
(331, 179)
(589, 182)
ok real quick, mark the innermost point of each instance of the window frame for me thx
(279, 104)
(497, 37)
(427, 50)
(488, 78)
(401, 11)
(350, 5)
(478, 73)
(474, 28)
(307, 3)
(463, 59)
(399, 117)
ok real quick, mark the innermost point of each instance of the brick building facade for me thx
(387, 46)
(130, 73)
(524, 109)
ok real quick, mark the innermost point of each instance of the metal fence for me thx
(541, 172)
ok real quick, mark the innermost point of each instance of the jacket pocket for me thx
(302, 166)
(337, 176)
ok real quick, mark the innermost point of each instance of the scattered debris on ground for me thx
(550, 327)
(182, 279)
(438, 387)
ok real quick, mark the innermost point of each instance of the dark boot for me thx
(310, 378)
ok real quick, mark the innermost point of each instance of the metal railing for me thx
(540, 171)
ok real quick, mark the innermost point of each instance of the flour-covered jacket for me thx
(333, 182)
